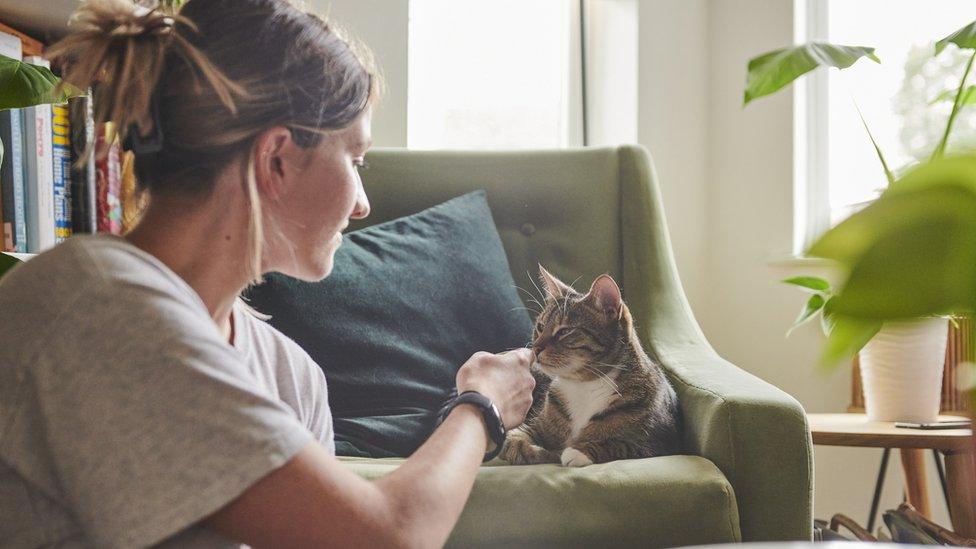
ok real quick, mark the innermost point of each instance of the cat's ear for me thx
(605, 295)
(555, 288)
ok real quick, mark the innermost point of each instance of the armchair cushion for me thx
(407, 303)
(657, 502)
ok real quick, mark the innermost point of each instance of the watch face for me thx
(498, 414)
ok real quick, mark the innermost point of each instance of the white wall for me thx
(382, 26)
(726, 176)
(672, 108)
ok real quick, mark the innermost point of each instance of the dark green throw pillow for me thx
(407, 303)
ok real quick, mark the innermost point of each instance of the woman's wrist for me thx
(466, 409)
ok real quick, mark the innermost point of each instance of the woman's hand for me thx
(504, 378)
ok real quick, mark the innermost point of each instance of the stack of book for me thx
(47, 193)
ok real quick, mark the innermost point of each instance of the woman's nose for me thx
(362, 205)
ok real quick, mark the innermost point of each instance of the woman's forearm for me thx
(428, 492)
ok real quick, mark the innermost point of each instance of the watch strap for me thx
(492, 418)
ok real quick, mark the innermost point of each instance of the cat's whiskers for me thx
(605, 379)
(614, 366)
(542, 294)
(532, 299)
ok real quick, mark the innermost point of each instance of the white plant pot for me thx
(901, 370)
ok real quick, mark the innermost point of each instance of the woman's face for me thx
(320, 194)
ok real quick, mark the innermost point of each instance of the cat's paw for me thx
(516, 451)
(571, 457)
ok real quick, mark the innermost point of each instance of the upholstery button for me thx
(527, 229)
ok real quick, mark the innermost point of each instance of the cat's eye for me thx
(561, 333)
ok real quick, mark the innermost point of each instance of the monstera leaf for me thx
(774, 70)
(26, 85)
(909, 254)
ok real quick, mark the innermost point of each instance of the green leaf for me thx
(884, 165)
(850, 239)
(814, 304)
(809, 282)
(965, 38)
(913, 251)
(968, 97)
(26, 85)
(7, 262)
(847, 337)
(774, 70)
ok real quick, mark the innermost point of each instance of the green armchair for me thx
(583, 212)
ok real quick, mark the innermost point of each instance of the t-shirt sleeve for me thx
(162, 426)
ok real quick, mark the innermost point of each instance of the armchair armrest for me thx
(756, 434)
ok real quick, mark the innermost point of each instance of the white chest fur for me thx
(583, 399)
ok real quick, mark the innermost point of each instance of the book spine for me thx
(19, 182)
(40, 173)
(29, 45)
(6, 181)
(39, 178)
(61, 154)
(83, 184)
(109, 181)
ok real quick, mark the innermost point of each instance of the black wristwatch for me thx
(493, 419)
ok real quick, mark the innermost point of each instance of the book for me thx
(61, 154)
(29, 46)
(12, 190)
(108, 179)
(133, 201)
(39, 173)
(84, 189)
(10, 46)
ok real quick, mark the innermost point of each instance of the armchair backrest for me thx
(579, 212)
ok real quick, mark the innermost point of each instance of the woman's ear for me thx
(270, 150)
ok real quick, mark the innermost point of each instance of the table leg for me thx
(961, 473)
(913, 464)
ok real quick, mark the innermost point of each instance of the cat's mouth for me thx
(555, 370)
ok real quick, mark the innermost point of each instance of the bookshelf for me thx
(46, 20)
(45, 193)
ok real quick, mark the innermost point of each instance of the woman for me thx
(134, 407)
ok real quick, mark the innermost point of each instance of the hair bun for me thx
(144, 20)
(122, 18)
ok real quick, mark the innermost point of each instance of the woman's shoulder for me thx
(94, 281)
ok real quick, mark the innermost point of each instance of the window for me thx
(900, 99)
(491, 74)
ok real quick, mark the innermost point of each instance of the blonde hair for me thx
(202, 84)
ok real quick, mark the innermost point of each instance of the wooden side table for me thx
(955, 444)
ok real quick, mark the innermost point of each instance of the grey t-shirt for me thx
(125, 417)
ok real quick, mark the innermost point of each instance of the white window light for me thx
(493, 74)
(836, 168)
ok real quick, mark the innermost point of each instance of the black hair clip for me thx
(146, 144)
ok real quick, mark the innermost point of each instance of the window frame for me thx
(811, 185)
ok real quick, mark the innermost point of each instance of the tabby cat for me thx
(599, 396)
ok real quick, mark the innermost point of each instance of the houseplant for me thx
(902, 356)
